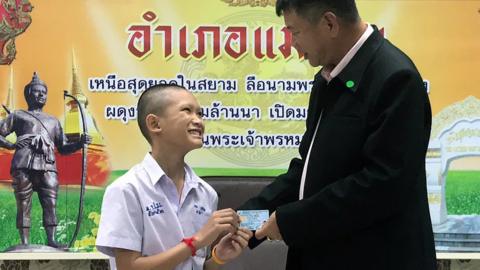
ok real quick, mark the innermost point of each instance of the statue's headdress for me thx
(35, 81)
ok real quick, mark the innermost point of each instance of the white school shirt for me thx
(141, 211)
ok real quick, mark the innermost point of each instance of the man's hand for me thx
(222, 221)
(232, 245)
(269, 229)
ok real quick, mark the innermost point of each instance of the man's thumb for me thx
(260, 233)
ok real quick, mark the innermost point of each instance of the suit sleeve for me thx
(285, 188)
(393, 155)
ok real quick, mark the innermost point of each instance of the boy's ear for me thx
(153, 123)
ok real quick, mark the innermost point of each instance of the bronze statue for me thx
(33, 164)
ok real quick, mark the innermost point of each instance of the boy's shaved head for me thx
(154, 100)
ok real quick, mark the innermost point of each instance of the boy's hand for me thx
(232, 245)
(222, 221)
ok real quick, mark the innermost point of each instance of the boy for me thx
(160, 215)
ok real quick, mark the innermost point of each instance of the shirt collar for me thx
(352, 73)
(191, 179)
(348, 57)
(156, 173)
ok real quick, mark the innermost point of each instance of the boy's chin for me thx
(195, 145)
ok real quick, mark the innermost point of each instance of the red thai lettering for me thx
(258, 48)
(149, 16)
(183, 42)
(286, 47)
(139, 34)
(231, 40)
(201, 32)
(167, 38)
(237, 33)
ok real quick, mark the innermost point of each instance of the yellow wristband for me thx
(215, 257)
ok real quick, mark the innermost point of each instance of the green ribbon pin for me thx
(350, 84)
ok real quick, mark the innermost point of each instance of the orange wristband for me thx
(189, 243)
(215, 257)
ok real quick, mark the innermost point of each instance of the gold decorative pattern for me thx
(14, 20)
(434, 198)
(76, 87)
(433, 154)
(252, 3)
(468, 108)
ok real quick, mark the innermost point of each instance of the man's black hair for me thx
(312, 10)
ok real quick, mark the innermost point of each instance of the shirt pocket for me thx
(199, 220)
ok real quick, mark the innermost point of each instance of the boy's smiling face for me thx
(181, 121)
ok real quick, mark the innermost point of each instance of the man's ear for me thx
(331, 22)
(153, 123)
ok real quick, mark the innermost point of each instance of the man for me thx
(33, 164)
(357, 198)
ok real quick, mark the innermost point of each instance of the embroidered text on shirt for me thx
(199, 209)
(154, 208)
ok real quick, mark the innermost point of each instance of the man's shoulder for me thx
(387, 65)
(391, 59)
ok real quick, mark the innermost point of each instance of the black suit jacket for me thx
(365, 203)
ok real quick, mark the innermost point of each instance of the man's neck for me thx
(348, 37)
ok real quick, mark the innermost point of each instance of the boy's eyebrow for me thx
(191, 105)
(187, 104)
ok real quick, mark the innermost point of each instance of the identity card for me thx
(253, 219)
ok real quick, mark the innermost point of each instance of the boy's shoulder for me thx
(132, 179)
(204, 185)
(207, 186)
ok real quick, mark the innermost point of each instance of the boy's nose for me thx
(198, 120)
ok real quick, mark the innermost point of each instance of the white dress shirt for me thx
(141, 211)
